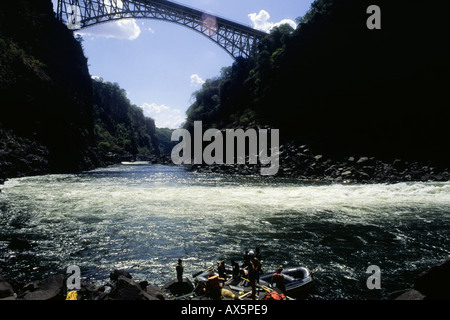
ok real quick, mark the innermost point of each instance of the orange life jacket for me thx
(275, 296)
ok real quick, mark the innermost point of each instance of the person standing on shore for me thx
(236, 269)
(258, 256)
(253, 272)
(180, 270)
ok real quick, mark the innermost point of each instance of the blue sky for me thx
(161, 64)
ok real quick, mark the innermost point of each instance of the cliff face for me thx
(341, 88)
(46, 122)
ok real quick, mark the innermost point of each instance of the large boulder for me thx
(114, 276)
(50, 288)
(179, 288)
(6, 290)
(410, 294)
(127, 289)
(435, 282)
(156, 292)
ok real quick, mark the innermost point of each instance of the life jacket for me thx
(213, 283)
(275, 296)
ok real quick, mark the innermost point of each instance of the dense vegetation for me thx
(341, 88)
(332, 84)
(45, 88)
(164, 138)
(121, 127)
(54, 117)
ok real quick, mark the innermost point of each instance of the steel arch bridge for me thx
(238, 40)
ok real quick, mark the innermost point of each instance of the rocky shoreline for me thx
(300, 163)
(31, 159)
(120, 286)
(432, 284)
(296, 162)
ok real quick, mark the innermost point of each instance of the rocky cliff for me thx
(46, 122)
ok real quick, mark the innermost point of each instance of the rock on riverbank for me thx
(432, 284)
(299, 162)
(54, 287)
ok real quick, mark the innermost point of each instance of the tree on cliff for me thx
(45, 88)
(340, 87)
(121, 127)
(53, 116)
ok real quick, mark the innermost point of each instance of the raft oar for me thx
(236, 288)
(245, 295)
(199, 273)
(184, 296)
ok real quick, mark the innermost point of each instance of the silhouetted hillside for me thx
(46, 93)
(54, 117)
(341, 88)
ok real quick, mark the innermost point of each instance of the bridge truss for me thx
(238, 40)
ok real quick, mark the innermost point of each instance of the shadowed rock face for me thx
(47, 289)
(127, 289)
(6, 290)
(54, 287)
(435, 282)
(432, 284)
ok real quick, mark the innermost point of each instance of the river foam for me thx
(143, 218)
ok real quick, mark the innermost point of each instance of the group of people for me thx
(250, 271)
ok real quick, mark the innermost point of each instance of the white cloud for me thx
(97, 78)
(261, 21)
(126, 29)
(165, 116)
(196, 81)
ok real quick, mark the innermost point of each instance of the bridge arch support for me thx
(238, 40)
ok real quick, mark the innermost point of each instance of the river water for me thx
(143, 218)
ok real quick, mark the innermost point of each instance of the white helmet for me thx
(251, 253)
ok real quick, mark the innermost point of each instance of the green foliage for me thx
(341, 88)
(121, 127)
(230, 99)
(164, 137)
(45, 84)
